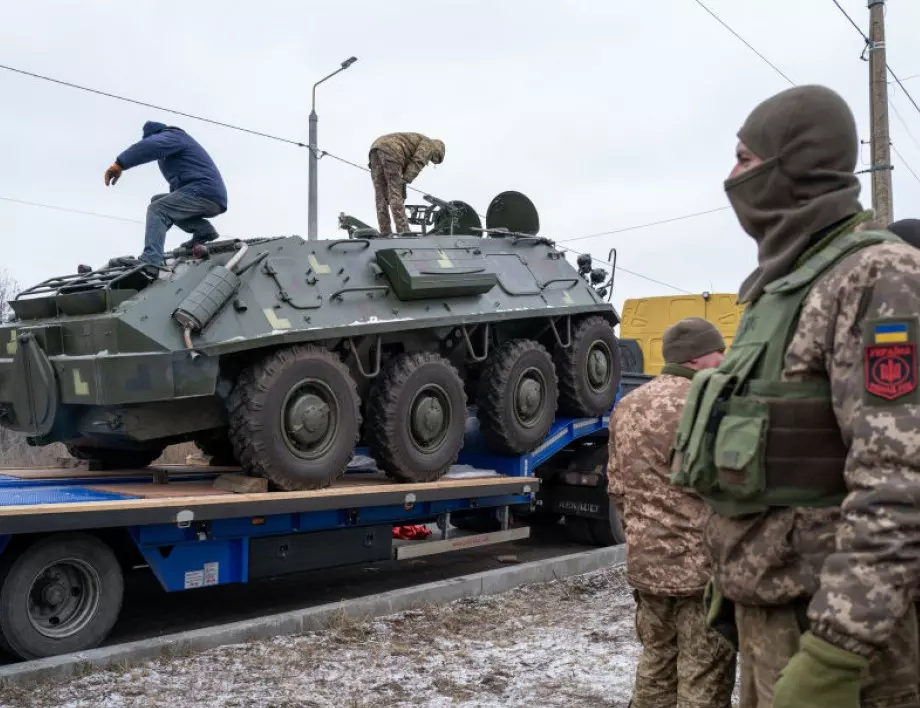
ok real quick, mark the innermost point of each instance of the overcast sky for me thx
(607, 114)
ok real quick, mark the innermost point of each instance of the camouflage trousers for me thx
(387, 176)
(769, 636)
(684, 664)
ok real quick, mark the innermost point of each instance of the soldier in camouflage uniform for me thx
(395, 160)
(684, 663)
(806, 439)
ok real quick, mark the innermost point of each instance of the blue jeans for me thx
(186, 211)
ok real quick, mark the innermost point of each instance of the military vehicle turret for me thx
(282, 354)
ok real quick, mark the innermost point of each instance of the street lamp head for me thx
(348, 62)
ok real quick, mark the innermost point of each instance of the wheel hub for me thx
(309, 418)
(63, 598)
(530, 392)
(530, 395)
(429, 418)
(598, 367)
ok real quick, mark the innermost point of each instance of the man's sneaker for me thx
(196, 240)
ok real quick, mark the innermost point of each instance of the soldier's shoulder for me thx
(663, 388)
(876, 261)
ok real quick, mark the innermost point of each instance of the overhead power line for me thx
(887, 65)
(645, 226)
(71, 211)
(746, 43)
(117, 97)
(281, 139)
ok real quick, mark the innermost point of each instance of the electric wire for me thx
(645, 226)
(746, 43)
(71, 211)
(320, 154)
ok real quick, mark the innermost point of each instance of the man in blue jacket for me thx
(196, 189)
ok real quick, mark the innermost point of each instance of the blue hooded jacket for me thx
(183, 162)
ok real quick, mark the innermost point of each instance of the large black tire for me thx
(631, 358)
(609, 532)
(294, 418)
(519, 369)
(594, 532)
(218, 447)
(108, 458)
(589, 369)
(62, 594)
(416, 417)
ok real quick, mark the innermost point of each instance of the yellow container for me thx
(646, 319)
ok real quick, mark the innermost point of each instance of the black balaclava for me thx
(806, 137)
(907, 229)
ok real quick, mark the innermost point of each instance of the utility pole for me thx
(312, 198)
(878, 91)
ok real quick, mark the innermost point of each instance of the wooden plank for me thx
(39, 473)
(459, 486)
(161, 491)
(241, 484)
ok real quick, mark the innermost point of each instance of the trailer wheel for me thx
(416, 417)
(61, 594)
(295, 417)
(107, 458)
(589, 369)
(518, 392)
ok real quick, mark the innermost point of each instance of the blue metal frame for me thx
(217, 552)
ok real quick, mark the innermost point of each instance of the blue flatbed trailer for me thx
(66, 535)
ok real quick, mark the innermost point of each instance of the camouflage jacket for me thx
(860, 562)
(665, 554)
(411, 150)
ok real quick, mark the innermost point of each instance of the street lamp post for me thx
(314, 158)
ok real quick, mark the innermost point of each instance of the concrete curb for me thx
(309, 619)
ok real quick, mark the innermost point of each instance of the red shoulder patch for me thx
(891, 369)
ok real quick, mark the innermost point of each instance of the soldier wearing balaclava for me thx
(805, 441)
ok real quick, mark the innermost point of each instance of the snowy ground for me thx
(565, 643)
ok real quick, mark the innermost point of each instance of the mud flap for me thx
(34, 389)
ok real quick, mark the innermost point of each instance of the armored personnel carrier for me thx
(282, 354)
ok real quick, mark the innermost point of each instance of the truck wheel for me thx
(294, 418)
(631, 357)
(218, 447)
(416, 417)
(61, 594)
(589, 369)
(609, 532)
(517, 398)
(108, 458)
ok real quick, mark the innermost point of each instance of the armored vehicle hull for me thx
(283, 354)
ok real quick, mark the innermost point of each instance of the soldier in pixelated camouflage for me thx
(683, 662)
(806, 440)
(395, 160)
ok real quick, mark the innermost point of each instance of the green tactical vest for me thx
(747, 440)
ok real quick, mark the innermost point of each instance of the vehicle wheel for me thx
(589, 369)
(631, 358)
(294, 418)
(577, 530)
(518, 394)
(109, 458)
(218, 447)
(607, 532)
(416, 417)
(60, 595)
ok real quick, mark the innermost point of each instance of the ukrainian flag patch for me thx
(890, 333)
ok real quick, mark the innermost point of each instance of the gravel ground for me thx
(565, 643)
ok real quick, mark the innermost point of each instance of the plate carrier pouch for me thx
(747, 440)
